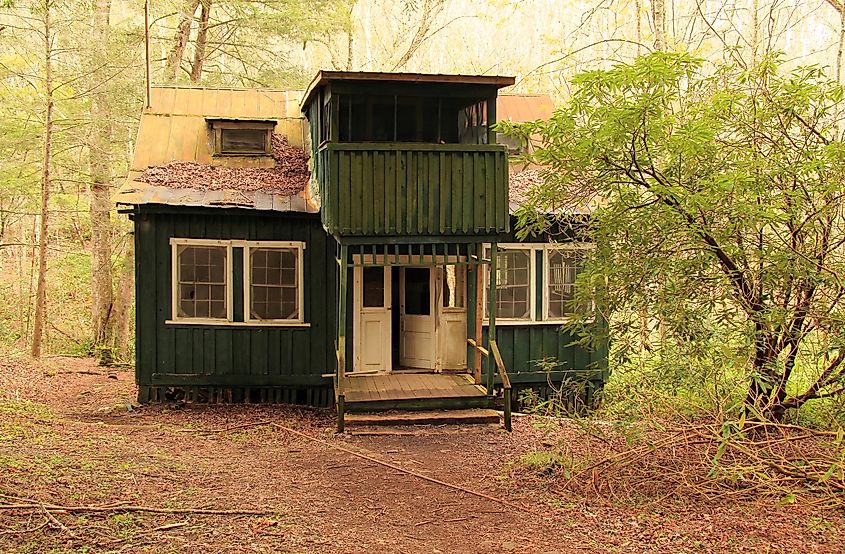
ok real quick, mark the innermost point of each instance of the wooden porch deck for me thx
(413, 391)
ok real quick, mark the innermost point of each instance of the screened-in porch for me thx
(413, 309)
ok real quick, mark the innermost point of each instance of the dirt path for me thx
(69, 438)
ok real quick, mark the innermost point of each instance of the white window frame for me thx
(175, 243)
(547, 250)
(248, 246)
(532, 279)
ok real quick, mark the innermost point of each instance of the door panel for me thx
(452, 328)
(417, 345)
(371, 324)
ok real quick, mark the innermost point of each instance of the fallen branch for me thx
(55, 523)
(723, 459)
(407, 471)
(35, 505)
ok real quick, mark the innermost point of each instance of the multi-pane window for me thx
(269, 279)
(562, 268)
(532, 287)
(201, 281)
(513, 283)
(275, 283)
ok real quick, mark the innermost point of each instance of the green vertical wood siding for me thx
(229, 356)
(525, 347)
(372, 189)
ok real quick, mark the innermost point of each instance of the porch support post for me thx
(478, 315)
(491, 315)
(341, 338)
(491, 120)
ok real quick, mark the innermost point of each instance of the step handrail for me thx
(499, 365)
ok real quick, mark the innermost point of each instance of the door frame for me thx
(438, 312)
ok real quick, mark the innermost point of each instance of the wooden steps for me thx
(402, 391)
(439, 417)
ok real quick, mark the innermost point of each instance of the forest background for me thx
(72, 74)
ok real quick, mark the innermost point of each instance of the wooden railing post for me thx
(506, 381)
(479, 317)
(341, 339)
(491, 315)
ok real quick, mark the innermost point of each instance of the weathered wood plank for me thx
(457, 184)
(444, 194)
(378, 194)
(468, 200)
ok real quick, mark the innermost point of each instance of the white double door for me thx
(432, 318)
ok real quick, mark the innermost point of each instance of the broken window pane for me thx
(564, 266)
(453, 286)
(243, 141)
(201, 282)
(274, 283)
(373, 285)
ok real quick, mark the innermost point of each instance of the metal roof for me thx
(520, 108)
(324, 77)
(174, 129)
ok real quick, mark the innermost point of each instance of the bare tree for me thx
(658, 16)
(201, 42)
(180, 39)
(47, 154)
(428, 14)
(839, 6)
(99, 158)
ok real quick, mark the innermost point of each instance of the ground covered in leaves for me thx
(70, 437)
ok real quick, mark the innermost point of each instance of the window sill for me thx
(224, 323)
(515, 322)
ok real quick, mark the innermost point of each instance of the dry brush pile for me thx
(740, 460)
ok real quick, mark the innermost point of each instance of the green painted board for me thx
(421, 189)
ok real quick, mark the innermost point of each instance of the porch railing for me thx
(413, 189)
(498, 366)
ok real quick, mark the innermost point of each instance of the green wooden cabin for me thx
(350, 245)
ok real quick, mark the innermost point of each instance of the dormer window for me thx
(242, 138)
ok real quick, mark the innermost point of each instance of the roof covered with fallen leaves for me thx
(173, 162)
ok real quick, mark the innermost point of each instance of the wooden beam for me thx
(479, 316)
(506, 382)
(491, 120)
(256, 381)
(491, 311)
(341, 337)
(480, 349)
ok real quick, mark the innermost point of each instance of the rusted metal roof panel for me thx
(523, 107)
(225, 103)
(174, 129)
(136, 193)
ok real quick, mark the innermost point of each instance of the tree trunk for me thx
(350, 43)
(755, 30)
(638, 9)
(202, 41)
(841, 44)
(123, 303)
(430, 10)
(767, 389)
(41, 287)
(658, 15)
(100, 197)
(180, 40)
